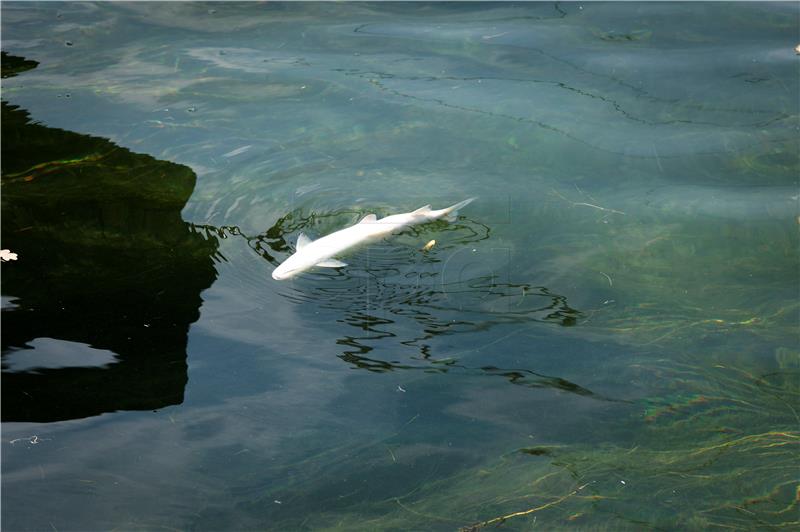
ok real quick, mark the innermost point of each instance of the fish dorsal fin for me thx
(302, 241)
(426, 208)
(369, 219)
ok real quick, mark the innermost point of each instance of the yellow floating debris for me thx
(429, 245)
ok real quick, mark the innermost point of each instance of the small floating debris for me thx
(32, 440)
(191, 109)
(429, 245)
(536, 451)
(635, 35)
(7, 255)
(67, 43)
(797, 49)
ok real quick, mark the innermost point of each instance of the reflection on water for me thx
(43, 353)
(106, 265)
(606, 339)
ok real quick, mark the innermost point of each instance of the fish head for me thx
(302, 260)
(289, 268)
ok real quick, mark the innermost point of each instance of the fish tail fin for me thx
(451, 213)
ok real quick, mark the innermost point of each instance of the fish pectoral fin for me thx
(302, 241)
(370, 218)
(331, 263)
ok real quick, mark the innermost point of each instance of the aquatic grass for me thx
(718, 448)
(777, 165)
(710, 279)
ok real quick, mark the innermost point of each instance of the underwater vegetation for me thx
(720, 451)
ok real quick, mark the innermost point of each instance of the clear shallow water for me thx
(607, 337)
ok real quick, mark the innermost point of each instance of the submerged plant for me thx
(717, 449)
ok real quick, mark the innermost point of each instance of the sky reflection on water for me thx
(611, 327)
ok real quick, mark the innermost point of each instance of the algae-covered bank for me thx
(607, 338)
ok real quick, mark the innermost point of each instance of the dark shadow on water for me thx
(13, 65)
(106, 264)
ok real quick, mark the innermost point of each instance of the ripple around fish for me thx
(397, 300)
(400, 277)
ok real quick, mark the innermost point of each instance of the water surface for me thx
(606, 339)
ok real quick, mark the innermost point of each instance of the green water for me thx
(606, 339)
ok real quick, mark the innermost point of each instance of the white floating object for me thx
(320, 252)
(6, 255)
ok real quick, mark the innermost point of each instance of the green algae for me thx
(722, 451)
